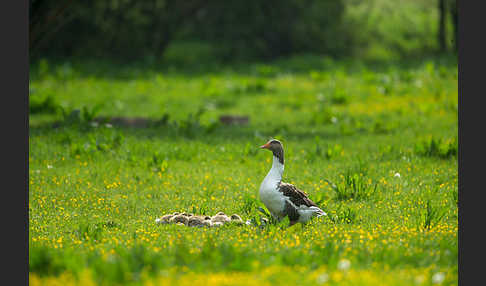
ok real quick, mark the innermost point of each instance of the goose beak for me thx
(265, 146)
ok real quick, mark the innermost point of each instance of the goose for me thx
(283, 199)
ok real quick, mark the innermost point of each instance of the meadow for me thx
(374, 144)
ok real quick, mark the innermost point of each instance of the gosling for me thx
(236, 219)
(220, 217)
(196, 221)
(179, 218)
(164, 219)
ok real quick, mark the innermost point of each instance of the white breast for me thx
(269, 194)
(272, 199)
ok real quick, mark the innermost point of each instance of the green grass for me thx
(96, 190)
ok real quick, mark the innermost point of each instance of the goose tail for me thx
(318, 211)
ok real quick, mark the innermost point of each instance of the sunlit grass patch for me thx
(274, 275)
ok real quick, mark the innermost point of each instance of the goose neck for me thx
(277, 169)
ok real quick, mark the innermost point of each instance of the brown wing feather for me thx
(296, 196)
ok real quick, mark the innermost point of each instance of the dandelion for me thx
(344, 264)
(438, 278)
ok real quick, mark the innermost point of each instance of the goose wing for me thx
(296, 196)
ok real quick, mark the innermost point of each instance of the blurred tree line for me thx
(264, 29)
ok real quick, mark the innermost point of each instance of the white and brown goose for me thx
(283, 199)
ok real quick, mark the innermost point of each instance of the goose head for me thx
(277, 149)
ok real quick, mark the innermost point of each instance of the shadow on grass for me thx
(297, 65)
(172, 132)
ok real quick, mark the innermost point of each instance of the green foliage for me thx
(249, 205)
(216, 31)
(346, 215)
(354, 186)
(324, 115)
(275, 28)
(102, 28)
(87, 231)
(45, 261)
(323, 150)
(191, 126)
(431, 216)
(455, 196)
(83, 118)
(43, 105)
(389, 29)
(433, 147)
(383, 126)
(105, 141)
(252, 87)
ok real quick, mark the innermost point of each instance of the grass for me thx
(354, 187)
(96, 189)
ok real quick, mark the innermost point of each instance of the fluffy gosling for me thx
(196, 221)
(236, 219)
(220, 217)
(179, 218)
(164, 219)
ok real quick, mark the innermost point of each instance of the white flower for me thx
(344, 264)
(397, 175)
(323, 278)
(438, 278)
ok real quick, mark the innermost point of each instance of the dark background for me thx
(231, 30)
